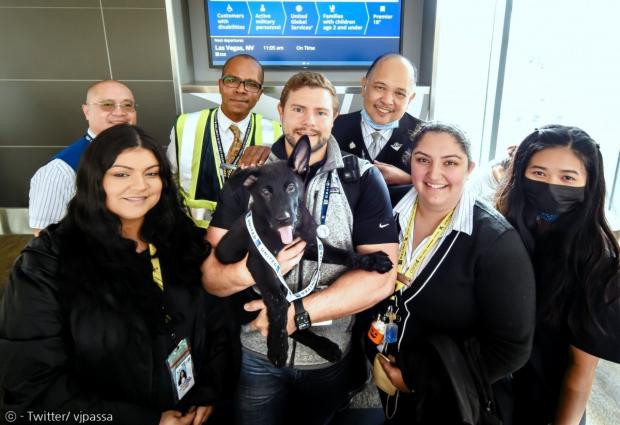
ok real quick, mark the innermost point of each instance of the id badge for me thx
(181, 369)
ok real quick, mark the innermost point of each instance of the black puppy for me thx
(279, 215)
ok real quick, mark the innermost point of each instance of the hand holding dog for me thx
(261, 323)
(291, 255)
(288, 258)
(282, 217)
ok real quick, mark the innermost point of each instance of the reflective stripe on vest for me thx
(190, 130)
(270, 130)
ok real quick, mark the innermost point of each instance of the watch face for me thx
(302, 320)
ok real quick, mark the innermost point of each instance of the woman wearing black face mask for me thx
(555, 197)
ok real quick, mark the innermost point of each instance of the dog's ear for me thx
(300, 157)
(243, 177)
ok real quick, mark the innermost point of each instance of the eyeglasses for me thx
(234, 82)
(109, 106)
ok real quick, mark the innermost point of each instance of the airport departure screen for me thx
(303, 33)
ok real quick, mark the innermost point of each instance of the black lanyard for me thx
(159, 280)
(325, 205)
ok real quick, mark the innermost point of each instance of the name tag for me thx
(181, 369)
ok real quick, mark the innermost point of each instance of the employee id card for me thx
(181, 369)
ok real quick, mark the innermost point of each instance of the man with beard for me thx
(352, 213)
(382, 131)
(219, 137)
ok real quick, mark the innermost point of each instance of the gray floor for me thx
(604, 404)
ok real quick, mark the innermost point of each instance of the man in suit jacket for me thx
(382, 130)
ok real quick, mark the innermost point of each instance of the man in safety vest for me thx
(206, 145)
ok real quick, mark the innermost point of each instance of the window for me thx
(563, 67)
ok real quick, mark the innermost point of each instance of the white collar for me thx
(91, 133)
(224, 122)
(462, 221)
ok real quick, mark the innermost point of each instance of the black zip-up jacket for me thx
(483, 289)
(75, 337)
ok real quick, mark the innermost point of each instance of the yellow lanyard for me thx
(157, 277)
(404, 277)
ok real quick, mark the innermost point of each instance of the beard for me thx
(322, 141)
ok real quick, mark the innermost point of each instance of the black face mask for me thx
(552, 198)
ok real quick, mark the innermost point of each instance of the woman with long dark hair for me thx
(104, 309)
(555, 197)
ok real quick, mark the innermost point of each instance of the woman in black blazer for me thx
(465, 290)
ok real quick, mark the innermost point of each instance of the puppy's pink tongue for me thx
(286, 234)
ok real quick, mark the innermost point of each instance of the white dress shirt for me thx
(367, 131)
(226, 136)
(51, 189)
(462, 221)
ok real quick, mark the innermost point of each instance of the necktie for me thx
(375, 146)
(234, 149)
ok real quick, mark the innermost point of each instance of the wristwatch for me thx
(302, 318)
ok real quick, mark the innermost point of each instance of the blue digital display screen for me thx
(322, 34)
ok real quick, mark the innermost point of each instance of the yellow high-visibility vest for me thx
(198, 160)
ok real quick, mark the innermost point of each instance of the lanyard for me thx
(157, 277)
(273, 263)
(159, 280)
(428, 247)
(220, 148)
(325, 205)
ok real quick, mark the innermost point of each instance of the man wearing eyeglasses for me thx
(108, 103)
(220, 136)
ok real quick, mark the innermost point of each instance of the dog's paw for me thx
(373, 262)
